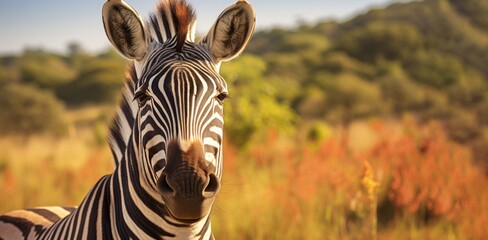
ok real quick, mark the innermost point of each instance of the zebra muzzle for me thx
(187, 185)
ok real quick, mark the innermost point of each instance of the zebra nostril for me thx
(164, 186)
(212, 187)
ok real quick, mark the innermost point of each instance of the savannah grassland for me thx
(374, 127)
(393, 180)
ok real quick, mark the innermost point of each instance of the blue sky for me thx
(51, 24)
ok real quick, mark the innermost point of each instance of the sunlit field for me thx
(393, 180)
(374, 127)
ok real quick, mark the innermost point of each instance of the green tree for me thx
(308, 42)
(339, 62)
(310, 104)
(286, 65)
(381, 41)
(349, 97)
(401, 93)
(475, 9)
(44, 69)
(469, 90)
(434, 68)
(253, 107)
(100, 80)
(27, 110)
(77, 56)
(3, 75)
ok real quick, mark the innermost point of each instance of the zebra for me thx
(166, 137)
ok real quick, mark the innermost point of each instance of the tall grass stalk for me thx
(371, 186)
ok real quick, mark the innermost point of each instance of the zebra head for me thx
(178, 128)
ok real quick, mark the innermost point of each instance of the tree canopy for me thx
(427, 58)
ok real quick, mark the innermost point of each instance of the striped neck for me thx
(137, 205)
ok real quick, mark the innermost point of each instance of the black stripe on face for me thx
(160, 164)
(156, 149)
(133, 210)
(176, 82)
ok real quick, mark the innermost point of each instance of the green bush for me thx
(99, 80)
(350, 97)
(401, 93)
(475, 9)
(44, 69)
(253, 107)
(434, 68)
(26, 110)
(3, 75)
(380, 41)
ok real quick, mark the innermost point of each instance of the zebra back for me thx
(29, 223)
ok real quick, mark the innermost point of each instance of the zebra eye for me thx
(222, 96)
(142, 97)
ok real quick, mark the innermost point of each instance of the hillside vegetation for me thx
(426, 58)
(376, 126)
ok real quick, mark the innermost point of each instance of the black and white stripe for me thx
(166, 136)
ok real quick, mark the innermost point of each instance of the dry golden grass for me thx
(282, 188)
(42, 171)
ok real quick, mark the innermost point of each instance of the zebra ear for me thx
(231, 32)
(125, 29)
